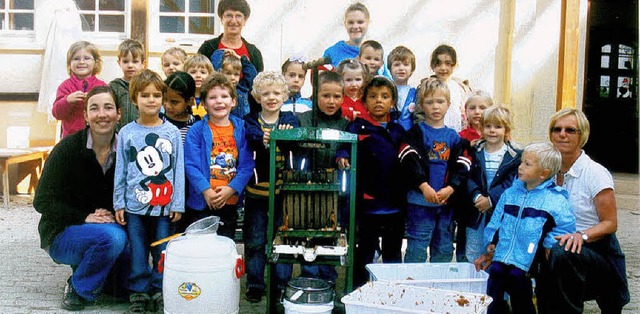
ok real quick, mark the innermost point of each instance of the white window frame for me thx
(107, 38)
(159, 42)
(9, 35)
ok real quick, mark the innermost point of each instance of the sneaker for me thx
(157, 303)
(254, 295)
(138, 302)
(72, 301)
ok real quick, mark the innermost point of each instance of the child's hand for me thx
(77, 96)
(231, 52)
(223, 193)
(285, 127)
(266, 137)
(444, 194)
(343, 163)
(482, 203)
(483, 262)
(429, 193)
(209, 196)
(120, 217)
(175, 216)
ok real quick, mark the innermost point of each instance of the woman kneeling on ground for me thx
(75, 198)
(588, 264)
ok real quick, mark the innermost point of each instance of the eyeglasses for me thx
(569, 130)
(238, 17)
(84, 59)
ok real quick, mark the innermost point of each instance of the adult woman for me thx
(233, 16)
(356, 23)
(75, 198)
(588, 264)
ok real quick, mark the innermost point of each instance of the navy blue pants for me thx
(514, 281)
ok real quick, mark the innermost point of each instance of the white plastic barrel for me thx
(202, 275)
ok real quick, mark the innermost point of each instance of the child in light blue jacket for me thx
(529, 214)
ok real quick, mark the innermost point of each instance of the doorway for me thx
(611, 87)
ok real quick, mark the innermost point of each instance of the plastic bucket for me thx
(308, 295)
(295, 308)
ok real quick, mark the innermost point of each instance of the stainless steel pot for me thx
(308, 291)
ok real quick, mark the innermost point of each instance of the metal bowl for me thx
(303, 290)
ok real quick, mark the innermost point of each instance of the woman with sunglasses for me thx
(588, 264)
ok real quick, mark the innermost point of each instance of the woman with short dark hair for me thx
(75, 198)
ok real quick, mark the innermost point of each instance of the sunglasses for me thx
(569, 130)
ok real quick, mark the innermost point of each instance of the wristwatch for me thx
(584, 235)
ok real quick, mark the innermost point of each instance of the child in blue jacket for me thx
(218, 164)
(528, 216)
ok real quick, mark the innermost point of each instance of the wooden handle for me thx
(167, 239)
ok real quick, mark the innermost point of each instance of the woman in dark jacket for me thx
(233, 16)
(75, 198)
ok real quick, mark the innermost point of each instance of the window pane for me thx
(88, 23)
(112, 5)
(625, 59)
(625, 62)
(1, 5)
(606, 49)
(201, 25)
(22, 4)
(112, 23)
(86, 4)
(625, 50)
(604, 61)
(201, 6)
(172, 6)
(623, 87)
(172, 24)
(604, 86)
(21, 21)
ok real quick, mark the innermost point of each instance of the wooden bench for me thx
(9, 156)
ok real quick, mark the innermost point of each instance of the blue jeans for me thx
(91, 250)
(254, 234)
(429, 227)
(142, 231)
(475, 241)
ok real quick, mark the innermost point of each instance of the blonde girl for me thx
(83, 64)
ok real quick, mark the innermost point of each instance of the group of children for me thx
(189, 145)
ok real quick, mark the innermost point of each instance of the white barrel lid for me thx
(202, 246)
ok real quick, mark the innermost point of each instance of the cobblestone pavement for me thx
(32, 283)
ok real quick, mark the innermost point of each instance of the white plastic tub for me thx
(448, 276)
(381, 297)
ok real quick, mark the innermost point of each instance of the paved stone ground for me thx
(31, 283)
